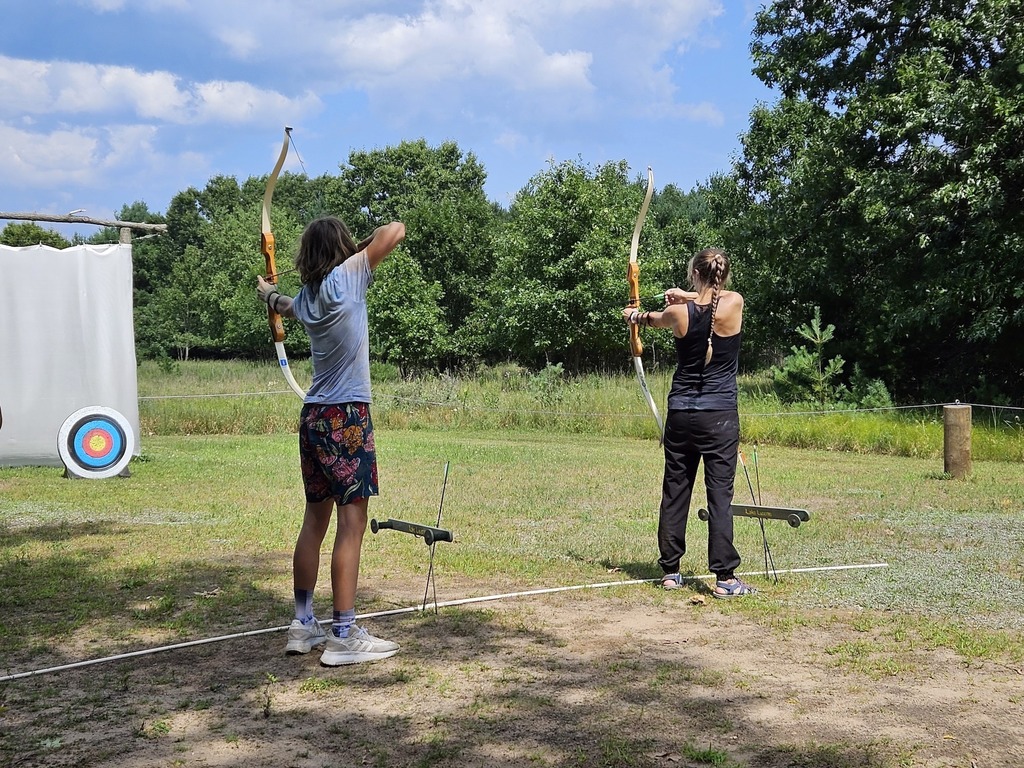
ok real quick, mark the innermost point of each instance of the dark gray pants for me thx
(691, 436)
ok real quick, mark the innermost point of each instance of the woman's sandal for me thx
(671, 581)
(732, 588)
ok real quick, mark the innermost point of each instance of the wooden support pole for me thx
(956, 433)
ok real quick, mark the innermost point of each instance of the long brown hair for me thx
(326, 243)
(710, 269)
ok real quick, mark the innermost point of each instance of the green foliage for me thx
(168, 364)
(407, 326)
(438, 193)
(799, 378)
(865, 392)
(684, 223)
(561, 258)
(805, 376)
(547, 384)
(884, 186)
(195, 289)
(188, 305)
(472, 284)
(21, 234)
(384, 372)
(871, 189)
(232, 261)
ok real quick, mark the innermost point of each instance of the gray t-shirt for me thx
(339, 336)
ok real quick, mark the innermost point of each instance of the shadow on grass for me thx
(471, 687)
(83, 597)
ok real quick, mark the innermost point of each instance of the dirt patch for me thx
(626, 677)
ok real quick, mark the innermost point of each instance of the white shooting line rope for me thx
(399, 611)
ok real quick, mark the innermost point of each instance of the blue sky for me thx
(104, 102)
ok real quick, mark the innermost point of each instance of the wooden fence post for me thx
(956, 433)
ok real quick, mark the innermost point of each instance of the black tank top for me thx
(694, 386)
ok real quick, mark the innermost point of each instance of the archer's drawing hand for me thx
(679, 296)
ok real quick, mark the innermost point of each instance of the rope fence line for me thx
(575, 414)
(218, 394)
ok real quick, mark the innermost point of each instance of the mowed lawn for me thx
(196, 545)
(198, 540)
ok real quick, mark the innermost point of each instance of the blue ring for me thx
(111, 457)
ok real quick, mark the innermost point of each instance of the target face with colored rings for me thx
(95, 443)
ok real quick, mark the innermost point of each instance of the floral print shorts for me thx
(336, 451)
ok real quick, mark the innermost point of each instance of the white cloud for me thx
(66, 156)
(20, 86)
(517, 43)
(510, 140)
(704, 112)
(234, 102)
(129, 145)
(562, 61)
(82, 88)
(75, 88)
(242, 43)
(449, 42)
(556, 61)
(69, 157)
(515, 76)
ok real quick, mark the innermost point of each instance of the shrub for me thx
(805, 377)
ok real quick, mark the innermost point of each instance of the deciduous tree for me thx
(884, 185)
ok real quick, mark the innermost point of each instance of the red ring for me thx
(97, 443)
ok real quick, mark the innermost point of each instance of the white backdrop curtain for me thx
(67, 341)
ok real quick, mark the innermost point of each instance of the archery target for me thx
(95, 443)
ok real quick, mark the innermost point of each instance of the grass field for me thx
(197, 543)
(219, 512)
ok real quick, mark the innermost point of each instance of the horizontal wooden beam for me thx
(69, 219)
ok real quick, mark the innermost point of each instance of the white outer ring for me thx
(72, 466)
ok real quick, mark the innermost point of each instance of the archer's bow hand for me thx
(263, 288)
(278, 302)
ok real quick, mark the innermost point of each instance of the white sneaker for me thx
(302, 638)
(359, 646)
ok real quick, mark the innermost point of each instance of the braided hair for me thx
(710, 268)
(326, 243)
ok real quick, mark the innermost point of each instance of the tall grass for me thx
(234, 397)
